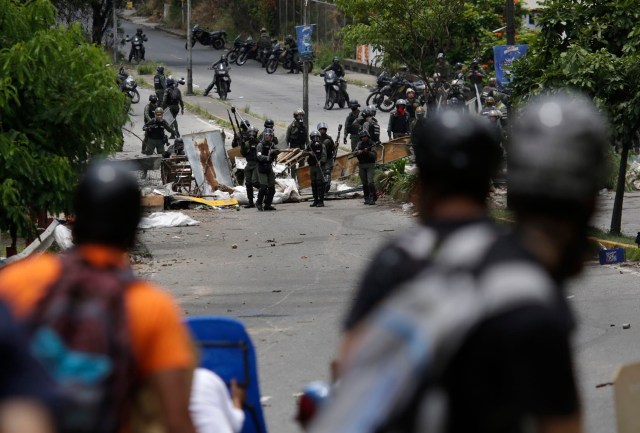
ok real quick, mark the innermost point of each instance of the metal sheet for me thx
(209, 161)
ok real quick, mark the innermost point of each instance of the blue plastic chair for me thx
(226, 349)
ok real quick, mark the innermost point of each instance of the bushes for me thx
(394, 180)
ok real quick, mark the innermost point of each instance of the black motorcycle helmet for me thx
(108, 206)
(336, 60)
(138, 31)
(268, 123)
(160, 70)
(153, 98)
(456, 153)
(244, 125)
(353, 104)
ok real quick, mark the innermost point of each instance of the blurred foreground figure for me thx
(479, 340)
(102, 334)
(212, 408)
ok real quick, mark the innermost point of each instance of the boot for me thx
(314, 191)
(261, 194)
(270, 193)
(365, 191)
(249, 196)
(321, 195)
(373, 197)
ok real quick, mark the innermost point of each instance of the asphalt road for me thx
(293, 272)
(275, 96)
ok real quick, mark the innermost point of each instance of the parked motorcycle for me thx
(234, 53)
(335, 90)
(222, 80)
(275, 58)
(247, 51)
(216, 39)
(383, 80)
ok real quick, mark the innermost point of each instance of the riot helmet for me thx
(557, 157)
(159, 112)
(440, 56)
(263, 30)
(267, 134)
(138, 31)
(492, 81)
(401, 102)
(353, 104)
(336, 59)
(322, 125)
(458, 66)
(489, 101)
(178, 142)
(456, 154)
(299, 115)
(170, 82)
(420, 113)
(371, 110)
(252, 132)
(244, 125)
(314, 135)
(289, 38)
(363, 133)
(153, 98)
(160, 70)
(269, 123)
(107, 206)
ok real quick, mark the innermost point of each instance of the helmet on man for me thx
(363, 133)
(160, 70)
(354, 104)
(252, 132)
(314, 135)
(401, 102)
(371, 110)
(153, 98)
(244, 125)
(322, 125)
(267, 134)
(269, 123)
(159, 112)
(336, 59)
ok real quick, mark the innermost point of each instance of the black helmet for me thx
(153, 98)
(558, 153)
(456, 153)
(252, 131)
(107, 205)
(354, 103)
(459, 66)
(170, 82)
(160, 69)
(371, 111)
(322, 125)
(336, 59)
(363, 133)
(244, 125)
(268, 123)
(139, 31)
(178, 142)
(267, 133)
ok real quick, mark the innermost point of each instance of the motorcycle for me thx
(130, 87)
(247, 51)
(136, 45)
(222, 80)
(275, 58)
(234, 53)
(216, 39)
(335, 90)
(265, 53)
(383, 80)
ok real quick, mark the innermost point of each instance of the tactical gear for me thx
(298, 112)
(336, 59)
(420, 113)
(244, 125)
(314, 135)
(269, 123)
(363, 133)
(558, 155)
(153, 98)
(158, 111)
(252, 132)
(160, 69)
(322, 125)
(371, 110)
(268, 132)
(354, 104)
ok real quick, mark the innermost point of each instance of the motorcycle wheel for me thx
(134, 95)
(272, 66)
(386, 105)
(222, 90)
(232, 57)
(330, 101)
(343, 100)
(242, 59)
(373, 98)
(218, 44)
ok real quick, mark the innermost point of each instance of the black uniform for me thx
(352, 129)
(248, 149)
(266, 153)
(367, 155)
(160, 85)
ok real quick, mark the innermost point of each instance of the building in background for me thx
(533, 9)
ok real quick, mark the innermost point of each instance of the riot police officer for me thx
(266, 153)
(160, 83)
(367, 155)
(248, 149)
(154, 133)
(173, 101)
(350, 128)
(371, 124)
(399, 121)
(297, 135)
(269, 123)
(316, 158)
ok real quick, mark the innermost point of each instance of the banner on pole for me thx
(304, 39)
(504, 56)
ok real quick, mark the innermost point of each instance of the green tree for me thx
(412, 32)
(591, 46)
(59, 106)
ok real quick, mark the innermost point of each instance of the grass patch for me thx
(204, 113)
(358, 83)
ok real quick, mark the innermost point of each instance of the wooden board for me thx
(344, 166)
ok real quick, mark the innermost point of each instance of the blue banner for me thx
(503, 58)
(304, 39)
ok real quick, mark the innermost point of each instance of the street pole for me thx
(510, 17)
(305, 76)
(189, 58)
(115, 34)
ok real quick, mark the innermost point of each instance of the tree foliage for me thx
(59, 106)
(412, 32)
(590, 45)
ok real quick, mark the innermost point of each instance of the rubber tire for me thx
(222, 91)
(343, 101)
(218, 44)
(134, 95)
(371, 100)
(242, 59)
(386, 105)
(232, 56)
(330, 101)
(272, 66)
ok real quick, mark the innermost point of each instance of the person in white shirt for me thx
(212, 408)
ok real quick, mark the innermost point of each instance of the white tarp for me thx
(167, 219)
(62, 236)
(286, 191)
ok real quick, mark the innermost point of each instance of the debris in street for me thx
(166, 219)
(626, 325)
(234, 246)
(406, 207)
(182, 202)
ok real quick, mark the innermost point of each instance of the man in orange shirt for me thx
(108, 211)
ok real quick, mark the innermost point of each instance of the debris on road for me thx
(166, 219)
